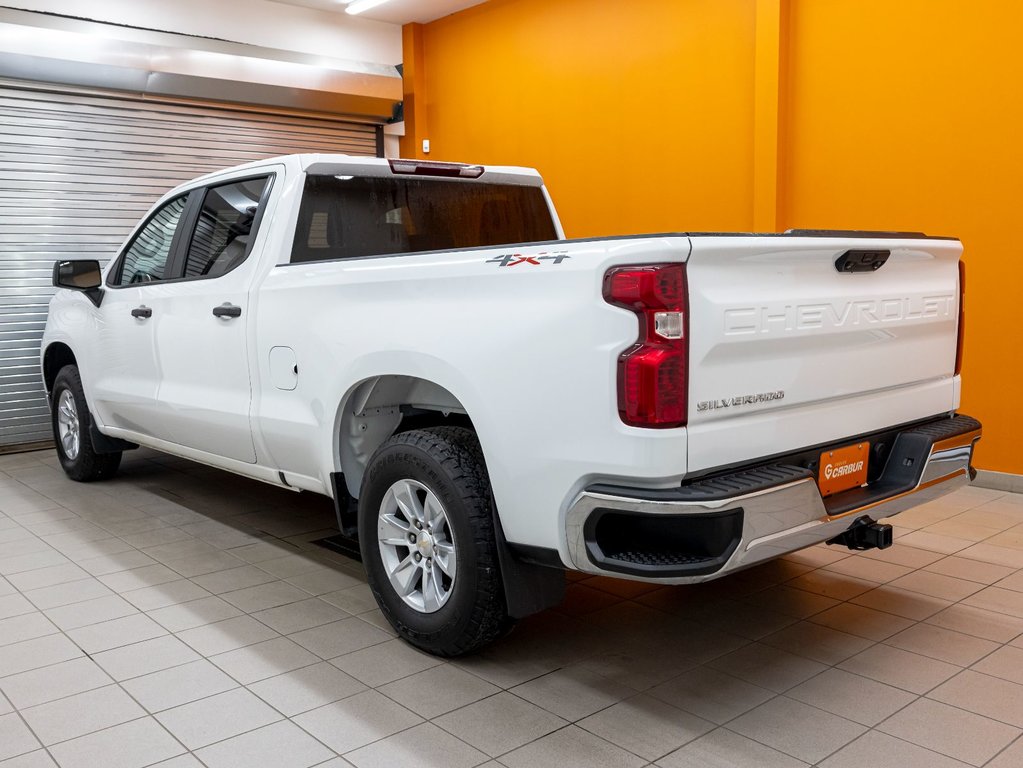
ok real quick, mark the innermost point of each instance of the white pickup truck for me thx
(490, 404)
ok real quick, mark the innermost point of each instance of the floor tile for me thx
(879, 750)
(262, 660)
(280, 745)
(67, 593)
(572, 693)
(232, 579)
(570, 747)
(15, 605)
(711, 695)
(441, 689)
(909, 605)
(797, 603)
(646, 726)
(830, 584)
(998, 600)
(26, 626)
(295, 617)
(985, 695)
(357, 721)
(340, 637)
(56, 681)
(811, 640)
(726, 749)
(867, 569)
(138, 578)
(822, 733)
(204, 563)
(970, 570)
(323, 580)
(953, 732)
(217, 718)
(145, 657)
(903, 669)
(1011, 757)
(942, 644)
(861, 621)
(264, 596)
(88, 612)
(15, 737)
(385, 662)
(308, 688)
(1006, 663)
(36, 653)
(768, 667)
(47, 577)
(178, 685)
(83, 713)
(116, 633)
(937, 585)
(853, 697)
(206, 610)
(227, 635)
(38, 759)
(131, 745)
(978, 622)
(162, 595)
(499, 723)
(423, 746)
(121, 561)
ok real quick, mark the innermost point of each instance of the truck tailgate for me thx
(787, 351)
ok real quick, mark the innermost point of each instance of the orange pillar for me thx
(767, 87)
(414, 90)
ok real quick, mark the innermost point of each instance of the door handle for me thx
(227, 310)
(142, 312)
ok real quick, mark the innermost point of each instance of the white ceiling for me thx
(395, 11)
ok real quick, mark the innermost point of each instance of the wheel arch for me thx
(56, 356)
(380, 406)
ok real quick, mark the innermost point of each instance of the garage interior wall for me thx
(709, 115)
(78, 170)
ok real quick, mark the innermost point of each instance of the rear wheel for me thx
(426, 531)
(72, 423)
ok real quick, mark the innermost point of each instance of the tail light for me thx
(962, 317)
(652, 375)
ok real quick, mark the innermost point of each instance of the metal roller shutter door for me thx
(78, 170)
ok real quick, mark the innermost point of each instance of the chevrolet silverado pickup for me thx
(490, 404)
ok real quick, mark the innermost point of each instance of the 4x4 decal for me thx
(514, 259)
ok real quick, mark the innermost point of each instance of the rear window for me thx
(342, 217)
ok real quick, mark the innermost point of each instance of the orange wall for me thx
(640, 116)
(909, 115)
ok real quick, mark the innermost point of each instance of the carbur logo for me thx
(842, 470)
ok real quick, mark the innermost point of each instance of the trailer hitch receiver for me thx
(865, 533)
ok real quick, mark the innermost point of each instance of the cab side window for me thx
(145, 260)
(224, 227)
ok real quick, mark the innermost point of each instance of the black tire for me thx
(449, 462)
(87, 465)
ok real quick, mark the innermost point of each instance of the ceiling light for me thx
(362, 5)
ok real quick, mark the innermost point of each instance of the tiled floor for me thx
(179, 616)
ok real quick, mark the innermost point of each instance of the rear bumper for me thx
(708, 528)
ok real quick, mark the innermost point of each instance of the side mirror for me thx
(83, 275)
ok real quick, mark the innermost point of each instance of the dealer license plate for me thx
(843, 468)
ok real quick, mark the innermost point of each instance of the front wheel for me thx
(426, 531)
(71, 425)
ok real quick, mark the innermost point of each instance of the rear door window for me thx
(345, 217)
(224, 228)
